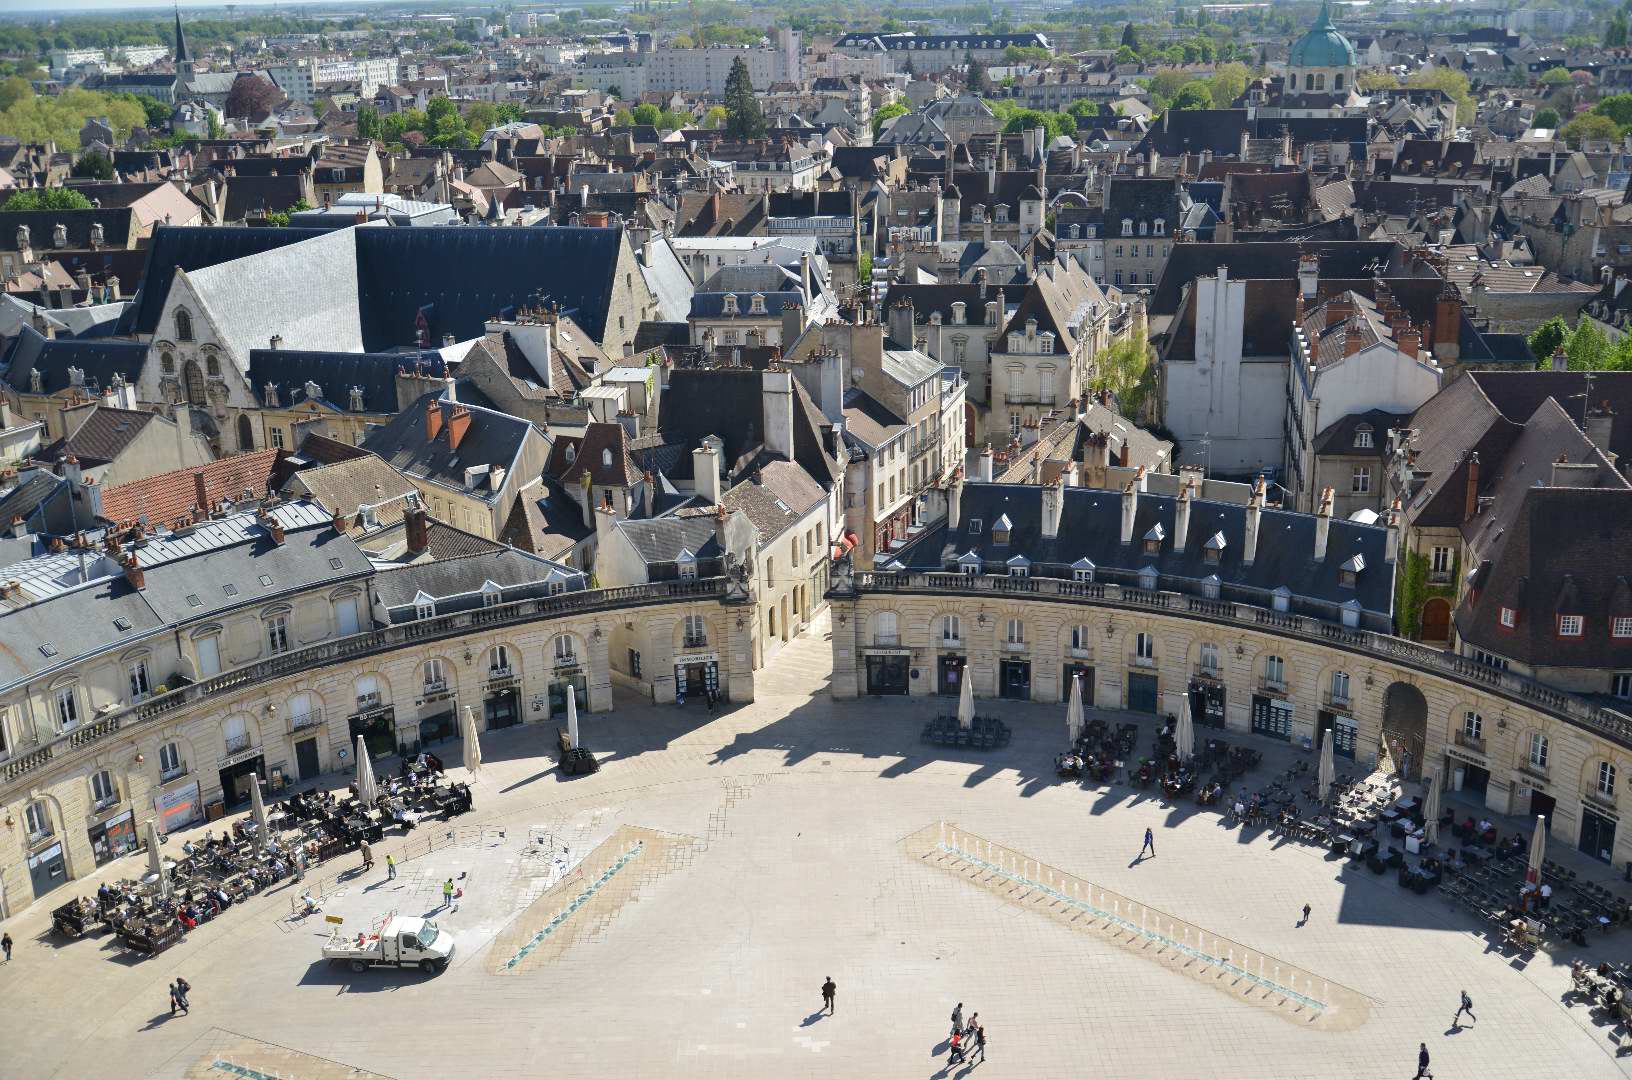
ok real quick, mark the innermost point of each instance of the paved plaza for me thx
(718, 868)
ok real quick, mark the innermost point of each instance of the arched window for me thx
(1017, 632)
(368, 692)
(246, 433)
(302, 711)
(1337, 81)
(1340, 688)
(194, 383)
(1080, 641)
(1320, 82)
(184, 325)
(435, 674)
(38, 819)
(235, 733)
(1538, 751)
(498, 661)
(1274, 671)
(212, 365)
(886, 629)
(565, 653)
(1308, 82)
(167, 363)
(1209, 658)
(1605, 780)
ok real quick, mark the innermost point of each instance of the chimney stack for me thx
(705, 473)
(1470, 502)
(201, 494)
(1053, 507)
(458, 424)
(1323, 524)
(954, 501)
(433, 420)
(1130, 510)
(1255, 508)
(134, 574)
(1181, 519)
(983, 470)
(417, 529)
(1392, 549)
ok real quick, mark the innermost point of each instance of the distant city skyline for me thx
(81, 7)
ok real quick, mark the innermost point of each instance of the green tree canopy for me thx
(714, 117)
(647, 114)
(55, 198)
(1194, 96)
(369, 125)
(93, 166)
(1455, 85)
(1545, 118)
(623, 118)
(743, 117)
(1229, 82)
(1547, 337)
(1555, 77)
(1618, 107)
(1129, 38)
(887, 113)
(1589, 126)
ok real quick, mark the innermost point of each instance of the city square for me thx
(780, 843)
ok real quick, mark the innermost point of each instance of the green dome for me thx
(1323, 46)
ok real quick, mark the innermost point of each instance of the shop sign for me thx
(435, 696)
(177, 807)
(241, 756)
(696, 658)
(502, 682)
(1465, 757)
(886, 652)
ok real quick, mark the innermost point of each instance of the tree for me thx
(438, 110)
(1229, 82)
(1615, 33)
(13, 90)
(251, 96)
(647, 114)
(1083, 107)
(1124, 369)
(1618, 107)
(1165, 86)
(1194, 96)
(1553, 77)
(1453, 83)
(1126, 55)
(93, 166)
(887, 113)
(623, 118)
(714, 117)
(369, 125)
(450, 132)
(1129, 38)
(1547, 337)
(54, 198)
(1370, 82)
(1588, 348)
(1589, 126)
(1545, 118)
(481, 116)
(743, 118)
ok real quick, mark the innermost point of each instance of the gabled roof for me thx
(604, 454)
(493, 438)
(102, 436)
(168, 496)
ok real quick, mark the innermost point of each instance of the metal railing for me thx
(311, 718)
(1570, 708)
(34, 756)
(237, 743)
(1471, 742)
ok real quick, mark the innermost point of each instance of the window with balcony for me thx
(235, 733)
(104, 792)
(170, 763)
(1473, 725)
(498, 661)
(67, 708)
(1080, 641)
(140, 687)
(1538, 751)
(435, 675)
(1144, 648)
(1017, 632)
(1340, 688)
(37, 819)
(696, 631)
(565, 653)
(951, 630)
(1209, 659)
(277, 633)
(1274, 672)
(1606, 780)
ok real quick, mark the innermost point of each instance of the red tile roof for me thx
(168, 496)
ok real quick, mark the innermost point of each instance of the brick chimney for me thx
(339, 522)
(1410, 341)
(133, 573)
(417, 529)
(201, 494)
(1351, 339)
(1447, 331)
(458, 424)
(433, 420)
(274, 529)
(1470, 504)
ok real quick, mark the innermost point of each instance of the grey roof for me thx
(668, 281)
(868, 421)
(458, 584)
(335, 373)
(493, 438)
(909, 367)
(99, 358)
(663, 539)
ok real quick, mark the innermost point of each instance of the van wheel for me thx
(359, 966)
(429, 967)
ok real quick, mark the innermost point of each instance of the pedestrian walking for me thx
(5, 943)
(980, 1043)
(390, 868)
(182, 990)
(1306, 910)
(175, 1002)
(1150, 844)
(957, 1048)
(1422, 1061)
(974, 1021)
(368, 856)
(1467, 1007)
(447, 893)
(828, 990)
(957, 1018)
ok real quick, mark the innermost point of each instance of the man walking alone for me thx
(1467, 1007)
(828, 990)
(1150, 844)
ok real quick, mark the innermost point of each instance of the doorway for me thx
(48, 869)
(949, 674)
(1014, 680)
(1542, 805)
(307, 766)
(1436, 619)
(1405, 726)
(236, 781)
(1085, 674)
(1141, 692)
(501, 710)
(1597, 835)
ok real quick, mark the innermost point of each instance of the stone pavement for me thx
(784, 829)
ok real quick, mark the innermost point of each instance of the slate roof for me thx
(335, 373)
(99, 358)
(118, 227)
(457, 583)
(101, 437)
(603, 452)
(493, 438)
(1090, 527)
(366, 480)
(167, 496)
(940, 298)
(663, 539)
(1517, 395)
(869, 421)
(775, 498)
(1338, 260)
(173, 247)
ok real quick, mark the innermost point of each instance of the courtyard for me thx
(720, 866)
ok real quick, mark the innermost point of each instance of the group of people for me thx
(178, 996)
(968, 1038)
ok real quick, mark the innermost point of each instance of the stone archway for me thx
(1405, 728)
(246, 433)
(1436, 619)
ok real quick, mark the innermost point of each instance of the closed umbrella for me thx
(572, 718)
(1538, 852)
(473, 748)
(1184, 736)
(1328, 769)
(257, 810)
(1073, 710)
(1430, 810)
(366, 790)
(966, 703)
(155, 861)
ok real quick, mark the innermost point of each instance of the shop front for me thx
(308, 761)
(501, 702)
(47, 869)
(114, 837)
(179, 807)
(950, 673)
(1207, 701)
(238, 774)
(1142, 696)
(887, 670)
(1014, 680)
(1344, 733)
(1466, 771)
(695, 676)
(568, 680)
(1085, 674)
(378, 727)
(1272, 716)
(1597, 832)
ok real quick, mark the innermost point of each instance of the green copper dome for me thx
(1323, 46)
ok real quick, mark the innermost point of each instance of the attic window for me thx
(1570, 625)
(1083, 569)
(974, 526)
(606, 458)
(1362, 437)
(1154, 538)
(572, 454)
(48, 649)
(1000, 530)
(1213, 549)
(1510, 618)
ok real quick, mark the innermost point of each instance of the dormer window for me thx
(1143, 228)
(1620, 627)
(1019, 566)
(1570, 625)
(1213, 550)
(1362, 437)
(1000, 530)
(1002, 213)
(572, 453)
(969, 563)
(1127, 226)
(1349, 572)
(1154, 538)
(1211, 586)
(1083, 569)
(730, 303)
(756, 304)
(606, 458)
(1147, 578)
(1160, 228)
(1510, 618)
(1281, 598)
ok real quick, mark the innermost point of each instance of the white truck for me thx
(398, 941)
